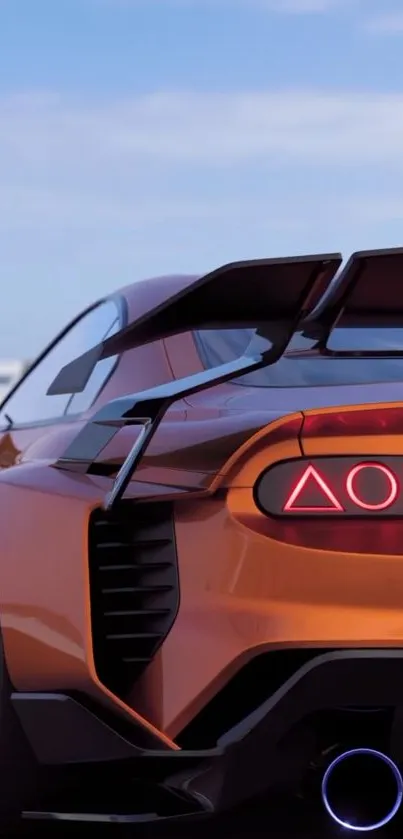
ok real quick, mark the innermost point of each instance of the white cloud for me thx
(301, 6)
(49, 135)
(133, 164)
(96, 193)
(278, 6)
(386, 23)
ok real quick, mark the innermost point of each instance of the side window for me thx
(30, 402)
(80, 402)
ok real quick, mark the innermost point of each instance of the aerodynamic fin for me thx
(281, 291)
(370, 287)
(241, 293)
(368, 293)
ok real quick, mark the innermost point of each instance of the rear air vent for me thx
(134, 588)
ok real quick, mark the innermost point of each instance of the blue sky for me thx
(140, 137)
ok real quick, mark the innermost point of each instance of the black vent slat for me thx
(136, 660)
(129, 613)
(134, 588)
(125, 636)
(113, 546)
(142, 543)
(132, 566)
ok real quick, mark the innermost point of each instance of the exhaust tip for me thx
(362, 790)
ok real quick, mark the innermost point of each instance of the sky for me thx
(146, 137)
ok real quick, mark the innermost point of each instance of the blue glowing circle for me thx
(399, 787)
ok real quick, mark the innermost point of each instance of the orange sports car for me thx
(201, 577)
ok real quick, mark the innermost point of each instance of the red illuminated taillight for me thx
(392, 485)
(333, 486)
(295, 498)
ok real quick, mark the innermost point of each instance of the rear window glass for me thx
(216, 346)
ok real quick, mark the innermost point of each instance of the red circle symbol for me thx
(392, 481)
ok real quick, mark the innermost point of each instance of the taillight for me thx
(337, 487)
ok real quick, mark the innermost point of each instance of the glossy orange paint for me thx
(248, 587)
(44, 598)
(44, 595)
(247, 584)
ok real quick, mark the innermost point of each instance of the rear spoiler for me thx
(283, 291)
(280, 291)
(368, 293)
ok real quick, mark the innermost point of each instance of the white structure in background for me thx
(10, 371)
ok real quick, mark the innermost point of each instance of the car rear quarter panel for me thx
(44, 586)
(246, 587)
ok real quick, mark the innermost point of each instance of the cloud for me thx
(95, 193)
(297, 7)
(40, 134)
(301, 7)
(133, 164)
(386, 23)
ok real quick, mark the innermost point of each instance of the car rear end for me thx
(274, 660)
(290, 633)
(292, 575)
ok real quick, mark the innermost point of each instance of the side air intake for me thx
(134, 588)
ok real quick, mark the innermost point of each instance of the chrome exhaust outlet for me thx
(362, 789)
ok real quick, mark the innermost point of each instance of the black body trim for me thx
(134, 589)
(61, 731)
(274, 486)
(220, 778)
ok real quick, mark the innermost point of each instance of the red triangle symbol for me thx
(312, 482)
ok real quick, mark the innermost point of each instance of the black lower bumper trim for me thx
(248, 759)
(110, 818)
(61, 731)
(252, 756)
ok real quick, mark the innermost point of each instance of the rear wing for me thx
(279, 293)
(368, 293)
(282, 291)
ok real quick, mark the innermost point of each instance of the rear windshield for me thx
(217, 346)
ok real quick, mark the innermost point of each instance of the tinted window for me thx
(30, 402)
(82, 401)
(217, 346)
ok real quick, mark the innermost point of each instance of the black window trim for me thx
(123, 315)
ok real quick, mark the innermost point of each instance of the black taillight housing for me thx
(336, 486)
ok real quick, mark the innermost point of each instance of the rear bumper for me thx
(249, 759)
